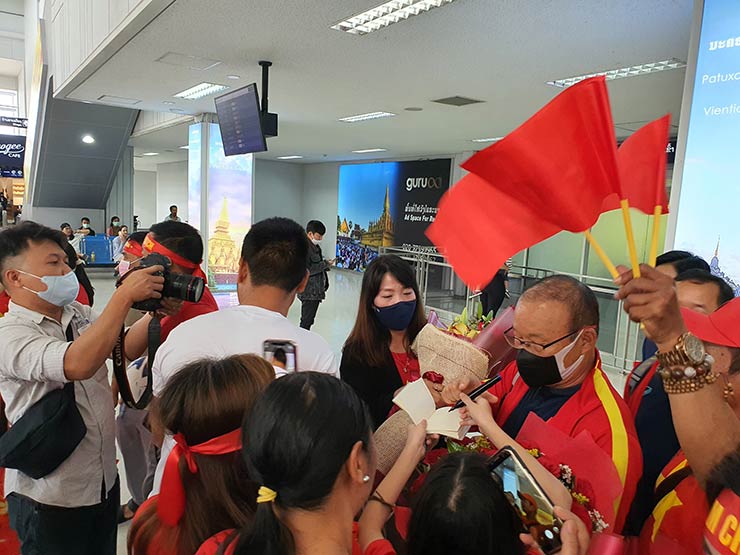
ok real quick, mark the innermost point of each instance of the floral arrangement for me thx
(468, 326)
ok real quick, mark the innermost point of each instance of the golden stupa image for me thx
(223, 254)
(344, 228)
(380, 232)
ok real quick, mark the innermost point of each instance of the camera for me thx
(177, 286)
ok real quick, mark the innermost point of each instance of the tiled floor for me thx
(335, 319)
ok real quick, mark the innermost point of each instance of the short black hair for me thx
(682, 261)
(280, 355)
(276, 252)
(173, 206)
(315, 226)
(64, 226)
(695, 275)
(138, 237)
(15, 240)
(85, 218)
(578, 296)
(181, 238)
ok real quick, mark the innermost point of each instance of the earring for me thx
(728, 392)
(365, 479)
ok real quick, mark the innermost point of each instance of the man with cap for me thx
(694, 351)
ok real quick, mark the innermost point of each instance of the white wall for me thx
(145, 198)
(278, 190)
(172, 188)
(54, 217)
(320, 199)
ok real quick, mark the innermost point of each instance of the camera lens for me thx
(184, 287)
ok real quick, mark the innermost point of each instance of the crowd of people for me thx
(352, 255)
(236, 455)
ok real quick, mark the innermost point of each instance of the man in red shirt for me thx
(558, 376)
(182, 244)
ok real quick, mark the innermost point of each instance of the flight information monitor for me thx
(239, 120)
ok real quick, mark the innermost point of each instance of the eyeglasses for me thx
(518, 343)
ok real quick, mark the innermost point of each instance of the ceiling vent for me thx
(120, 100)
(457, 101)
(191, 62)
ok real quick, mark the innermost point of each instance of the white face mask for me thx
(566, 372)
(60, 290)
(116, 222)
(85, 226)
(316, 242)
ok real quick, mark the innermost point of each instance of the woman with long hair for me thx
(308, 445)
(206, 487)
(377, 360)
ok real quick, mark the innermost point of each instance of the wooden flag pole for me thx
(630, 237)
(601, 254)
(656, 233)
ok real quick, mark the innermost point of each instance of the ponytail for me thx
(267, 535)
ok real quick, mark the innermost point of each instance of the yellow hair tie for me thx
(266, 495)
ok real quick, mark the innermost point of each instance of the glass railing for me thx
(441, 290)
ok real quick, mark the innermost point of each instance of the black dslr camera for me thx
(176, 286)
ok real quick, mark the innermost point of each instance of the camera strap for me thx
(119, 366)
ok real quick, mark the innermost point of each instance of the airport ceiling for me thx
(499, 51)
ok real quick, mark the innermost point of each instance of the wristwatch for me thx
(689, 351)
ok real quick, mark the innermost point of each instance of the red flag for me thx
(561, 163)
(641, 160)
(478, 227)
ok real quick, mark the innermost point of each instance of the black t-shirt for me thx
(545, 402)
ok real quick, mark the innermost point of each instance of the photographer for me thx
(46, 341)
(183, 246)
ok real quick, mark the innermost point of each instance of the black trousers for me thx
(47, 530)
(308, 313)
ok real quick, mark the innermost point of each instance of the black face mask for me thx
(537, 371)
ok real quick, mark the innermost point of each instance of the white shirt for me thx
(233, 331)
(32, 349)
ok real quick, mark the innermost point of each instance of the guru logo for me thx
(423, 183)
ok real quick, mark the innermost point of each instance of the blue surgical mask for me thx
(396, 317)
(60, 290)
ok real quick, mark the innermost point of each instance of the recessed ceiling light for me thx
(168, 103)
(177, 110)
(368, 150)
(234, 77)
(190, 62)
(112, 99)
(365, 117)
(413, 109)
(622, 72)
(487, 140)
(150, 153)
(185, 147)
(292, 157)
(200, 90)
(386, 14)
(88, 139)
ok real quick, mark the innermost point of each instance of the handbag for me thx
(47, 433)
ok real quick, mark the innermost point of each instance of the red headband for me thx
(133, 248)
(722, 529)
(152, 245)
(171, 504)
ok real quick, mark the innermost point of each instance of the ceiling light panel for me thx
(386, 14)
(487, 140)
(368, 150)
(201, 90)
(622, 72)
(292, 157)
(366, 117)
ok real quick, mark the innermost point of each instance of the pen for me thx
(478, 391)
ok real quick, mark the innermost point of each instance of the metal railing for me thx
(619, 341)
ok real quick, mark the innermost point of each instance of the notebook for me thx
(418, 403)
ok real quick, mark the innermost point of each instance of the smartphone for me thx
(530, 502)
(281, 353)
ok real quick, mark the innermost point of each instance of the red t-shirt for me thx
(407, 366)
(164, 541)
(188, 311)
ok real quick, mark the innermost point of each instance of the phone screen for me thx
(529, 500)
(281, 354)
